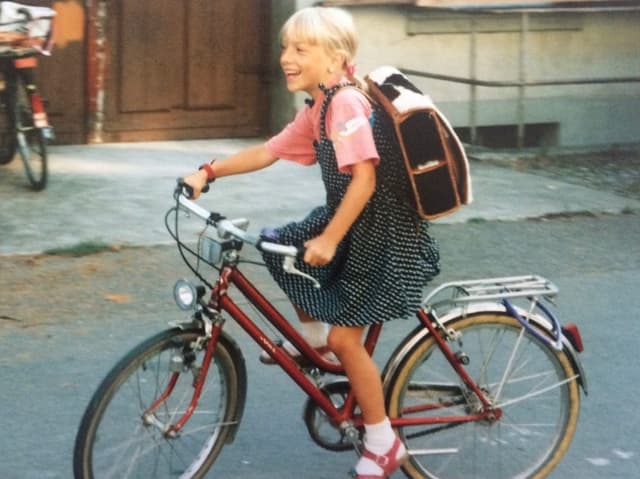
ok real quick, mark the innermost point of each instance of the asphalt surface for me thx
(64, 321)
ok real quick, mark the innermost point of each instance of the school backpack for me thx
(434, 158)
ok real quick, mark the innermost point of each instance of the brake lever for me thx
(289, 267)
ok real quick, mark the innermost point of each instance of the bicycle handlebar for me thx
(26, 13)
(227, 228)
(186, 188)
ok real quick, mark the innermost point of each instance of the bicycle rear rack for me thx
(490, 289)
(502, 290)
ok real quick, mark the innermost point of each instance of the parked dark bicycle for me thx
(25, 34)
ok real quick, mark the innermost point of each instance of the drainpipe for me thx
(97, 67)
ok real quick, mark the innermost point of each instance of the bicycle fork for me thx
(172, 430)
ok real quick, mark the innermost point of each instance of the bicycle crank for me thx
(323, 432)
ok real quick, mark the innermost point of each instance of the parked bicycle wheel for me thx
(31, 141)
(120, 438)
(534, 386)
(7, 126)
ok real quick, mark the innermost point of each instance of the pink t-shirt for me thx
(348, 127)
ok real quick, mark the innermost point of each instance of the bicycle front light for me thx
(186, 294)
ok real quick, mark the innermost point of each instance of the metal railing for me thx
(522, 83)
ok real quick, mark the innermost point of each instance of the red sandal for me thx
(387, 462)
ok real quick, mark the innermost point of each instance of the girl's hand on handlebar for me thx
(197, 181)
(319, 250)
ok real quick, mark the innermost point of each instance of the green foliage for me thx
(83, 248)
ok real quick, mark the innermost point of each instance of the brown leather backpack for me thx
(434, 157)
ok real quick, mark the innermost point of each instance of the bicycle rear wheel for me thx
(31, 140)
(538, 395)
(119, 438)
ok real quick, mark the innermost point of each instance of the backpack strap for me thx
(329, 94)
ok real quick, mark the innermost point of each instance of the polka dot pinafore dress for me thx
(383, 263)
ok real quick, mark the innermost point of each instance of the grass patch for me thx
(83, 248)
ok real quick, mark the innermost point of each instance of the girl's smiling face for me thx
(306, 65)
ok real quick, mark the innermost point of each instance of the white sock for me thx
(379, 438)
(315, 332)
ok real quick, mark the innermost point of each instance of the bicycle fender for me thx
(420, 332)
(238, 359)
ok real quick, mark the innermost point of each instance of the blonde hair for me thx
(330, 27)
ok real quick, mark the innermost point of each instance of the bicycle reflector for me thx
(185, 294)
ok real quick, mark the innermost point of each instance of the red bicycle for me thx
(486, 385)
(25, 33)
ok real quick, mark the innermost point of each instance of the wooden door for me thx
(181, 69)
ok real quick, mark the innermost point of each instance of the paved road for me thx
(64, 322)
(49, 371)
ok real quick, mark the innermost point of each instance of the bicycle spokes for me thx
(531, 391)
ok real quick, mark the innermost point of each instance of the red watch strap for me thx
(211, 175)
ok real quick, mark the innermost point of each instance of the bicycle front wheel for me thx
(120, 437)
(534, 386)
(31, 141)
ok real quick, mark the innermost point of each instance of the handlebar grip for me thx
(187, 190)
(26, 13)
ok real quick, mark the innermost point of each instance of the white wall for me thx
(559, 46)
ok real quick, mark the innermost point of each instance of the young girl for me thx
(367, 247)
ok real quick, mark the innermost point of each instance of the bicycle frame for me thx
(27, 130)
(221, 301)
(24, 68)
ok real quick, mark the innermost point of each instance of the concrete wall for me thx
(283, 105)
(559, 46)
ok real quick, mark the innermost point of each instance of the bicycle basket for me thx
(24, 29)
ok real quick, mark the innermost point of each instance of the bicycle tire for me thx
(7, 128)
(114, 439)
(540, 403)
(30, 140)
